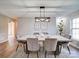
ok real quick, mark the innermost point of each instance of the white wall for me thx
(26, 26)
(3, 28)
(67, 26)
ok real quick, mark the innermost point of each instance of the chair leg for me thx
(60, 48)
(55, 54)
(37, 55)
(68, 49)
(43, 45)
(45, 53)
(17, 47)
(24, 47)
(28, 55)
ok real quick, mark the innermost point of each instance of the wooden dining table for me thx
(60, 40)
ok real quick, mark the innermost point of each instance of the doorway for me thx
(11, 29)
(11, 32)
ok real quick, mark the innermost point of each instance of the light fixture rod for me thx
(42, 10)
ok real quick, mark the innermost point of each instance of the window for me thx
(75, 28)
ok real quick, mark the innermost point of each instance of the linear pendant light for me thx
(42, 17)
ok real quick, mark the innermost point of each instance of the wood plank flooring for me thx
(6, 49)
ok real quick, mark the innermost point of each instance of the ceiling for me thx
(31, 8)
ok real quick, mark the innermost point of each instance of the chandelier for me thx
(42, 17)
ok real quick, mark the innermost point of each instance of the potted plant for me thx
(60, 27)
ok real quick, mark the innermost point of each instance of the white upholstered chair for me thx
(32, 45)
(36, 33)
(45, 33)
(50, 45)
(20, 42)
(66, 44)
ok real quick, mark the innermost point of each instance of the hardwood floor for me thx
(6, 49)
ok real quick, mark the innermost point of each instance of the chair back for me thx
(50, 44)
(32, 44)
(45, 33)
(36, 33)
(67, 36)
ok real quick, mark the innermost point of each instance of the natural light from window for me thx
(75, 28)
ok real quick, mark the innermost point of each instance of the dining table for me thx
(41, 38)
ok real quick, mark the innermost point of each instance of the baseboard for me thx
(3, 41)
(73, 45)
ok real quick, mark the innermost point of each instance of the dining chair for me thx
(50, 45)
(45, 33)
(36, 33)
(32, 45)
(21, 43)
(66, 44)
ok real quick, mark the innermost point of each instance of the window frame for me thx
(74, 28)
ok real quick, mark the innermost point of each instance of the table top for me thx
(42, 38)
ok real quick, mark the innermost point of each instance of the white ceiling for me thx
(31, 8)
